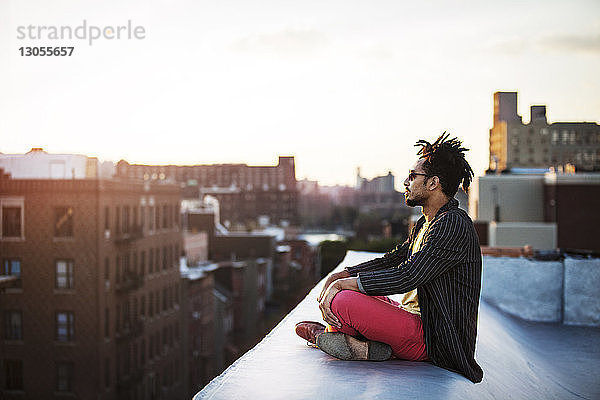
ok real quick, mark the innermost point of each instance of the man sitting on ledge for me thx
(438, 269)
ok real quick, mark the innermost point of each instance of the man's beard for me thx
(418, 201)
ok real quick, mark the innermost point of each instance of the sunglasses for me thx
(412, 175)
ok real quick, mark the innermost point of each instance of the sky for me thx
(337, 84)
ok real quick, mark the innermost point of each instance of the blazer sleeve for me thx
(390, 259)
(444, 246)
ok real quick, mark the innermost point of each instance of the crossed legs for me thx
(380, 319)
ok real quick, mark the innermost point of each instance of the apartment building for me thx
(244, 192)
(539, 144)
(95, 310)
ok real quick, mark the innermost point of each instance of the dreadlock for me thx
(445, 159)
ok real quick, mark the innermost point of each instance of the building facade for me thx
(95, 312)
(539, 144)
(244, 192)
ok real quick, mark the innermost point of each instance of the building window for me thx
(64, 377)
(157, 301)
(107, 372)
(63, 221)
(157, 217)
(13, 325)
(106, 218)
(64, 274)
(143, 352)
(106, 322)
(150, 260)
(14, 374)
(65, 326)
(142, 264)
(12, 266)
(11, 218)
(125, 228)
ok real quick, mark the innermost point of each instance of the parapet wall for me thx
(546, 291)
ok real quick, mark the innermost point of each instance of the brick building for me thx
(538, 144)
(199, 328)
(244, 192)
(95, 310)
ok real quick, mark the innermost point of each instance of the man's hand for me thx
(330, 279)
(330, 292)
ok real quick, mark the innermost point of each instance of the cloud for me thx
(289, 41)
(572, 43)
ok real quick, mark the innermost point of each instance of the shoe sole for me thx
(346, 347)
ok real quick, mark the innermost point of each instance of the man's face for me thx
(415, 190)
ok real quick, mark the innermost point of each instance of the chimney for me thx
(538, 115)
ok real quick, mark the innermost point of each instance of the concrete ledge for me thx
(520, 359)
(582, 299)
(529, 289)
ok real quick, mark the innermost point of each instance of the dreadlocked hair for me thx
(445, 158)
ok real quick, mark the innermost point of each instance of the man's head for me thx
(438, 172)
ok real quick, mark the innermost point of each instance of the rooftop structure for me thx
(545, 210)
(38, 164)
(520, 359)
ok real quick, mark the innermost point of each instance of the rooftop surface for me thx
(520, 360)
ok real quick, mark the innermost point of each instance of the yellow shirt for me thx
(410, 300)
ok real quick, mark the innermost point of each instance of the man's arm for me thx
(391, 259)
(444, 246)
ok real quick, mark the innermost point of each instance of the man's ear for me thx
(434, 182)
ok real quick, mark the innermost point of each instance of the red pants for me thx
(381, 319)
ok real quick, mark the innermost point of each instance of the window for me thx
(13, 325)
(11, 211)
(65, 326)
(106, 322)
(64, 274)
(142, 264)
(64, 377)
(157, 218)
(14, 374)
(150, 260)
(12, 266)
(63, 221)
(107, 372)
(143, 352)
(118, 219)
(106, 218)
(157, 301)
(125, 228)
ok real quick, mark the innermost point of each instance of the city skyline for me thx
(336, 85)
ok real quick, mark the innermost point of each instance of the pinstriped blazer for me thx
(447, 275)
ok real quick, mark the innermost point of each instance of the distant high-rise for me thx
(537, 144)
